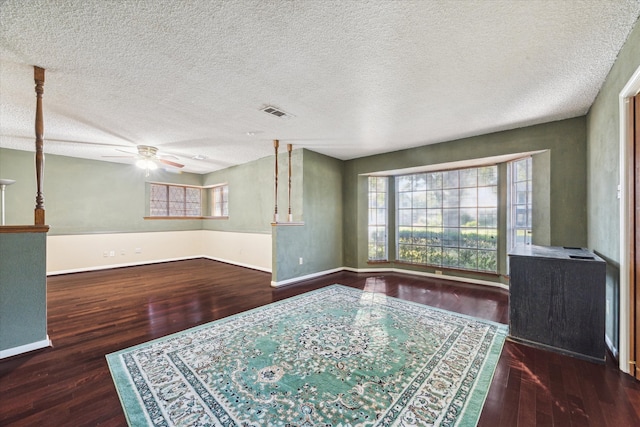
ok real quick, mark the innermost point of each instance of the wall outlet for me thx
(300, 261)
(438, 271)
(123, 252)
(138, 250)
(112, 253)
(105, 254)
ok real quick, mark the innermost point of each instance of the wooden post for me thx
(290, 217)
(38, 76)
(276, 144)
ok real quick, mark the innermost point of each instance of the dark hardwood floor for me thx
(95, 313)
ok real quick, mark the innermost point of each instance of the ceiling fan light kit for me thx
(146, 164)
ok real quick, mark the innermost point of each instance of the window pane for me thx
(487, 260)
(173, 200)
(434, 181)
(434, 255)
(468, 259)
(419, 217)
(488, 176)
(488, 238)
(460, 218)
(377, 203)
(487, 196)
(520, 203)
(450, 257)
(468, 217)
(404, 217)
(404, 183)
(419, 182)
(419, 200)
(451, 198)
(451, 237)
(404, 200)
(434, 217)
(419, 235)
(434, 236)
(468, 197)
(469, 239)
(468, 178)
(451, 217)
(434, 199)
(404, 235)
(450, 179)
(488, 217)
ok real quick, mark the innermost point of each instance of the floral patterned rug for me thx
(337, 356)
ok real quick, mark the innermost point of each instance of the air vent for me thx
(270, 109)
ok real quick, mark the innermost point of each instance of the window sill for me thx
(452, 269)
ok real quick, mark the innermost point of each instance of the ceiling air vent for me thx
(270, 109)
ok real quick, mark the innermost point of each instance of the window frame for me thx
(223, 204)
(513, 203)
(380, 213)
(168, 208)
(425, 202)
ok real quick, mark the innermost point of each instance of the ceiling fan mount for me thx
(147, 151)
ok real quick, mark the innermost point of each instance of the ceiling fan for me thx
(148, 158)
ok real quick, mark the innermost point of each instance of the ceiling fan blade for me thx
(170, 163)
(125, 151)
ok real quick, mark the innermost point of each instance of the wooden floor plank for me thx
(95, 313)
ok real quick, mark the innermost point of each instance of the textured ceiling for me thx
(358, 77)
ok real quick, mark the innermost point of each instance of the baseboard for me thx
(294, 279)
(25, 348)
(390, 270)
(426, 274)
(126, 264)
(305, 277)
(156, 261)
(239, 264)
(611, 347)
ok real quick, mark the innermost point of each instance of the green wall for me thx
(23, 289)
(603, 152)
(565, 142)
(319, 241)
(251, 193)
(86, 196)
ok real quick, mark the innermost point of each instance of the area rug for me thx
(337, 356)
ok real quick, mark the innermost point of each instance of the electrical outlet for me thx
(138, 250)
(438, 271)
(123, 252)
(105, 254)
(300, 261)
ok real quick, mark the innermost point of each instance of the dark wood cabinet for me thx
(557, 299)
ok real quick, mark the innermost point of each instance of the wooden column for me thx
(38, 75)
(276, 144)
(290, 216)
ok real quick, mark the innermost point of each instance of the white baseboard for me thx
(392, 270)
(157, 261)
(611, 347)
(126, 264)
(25, 348)
(239, 264)
(306, 277)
